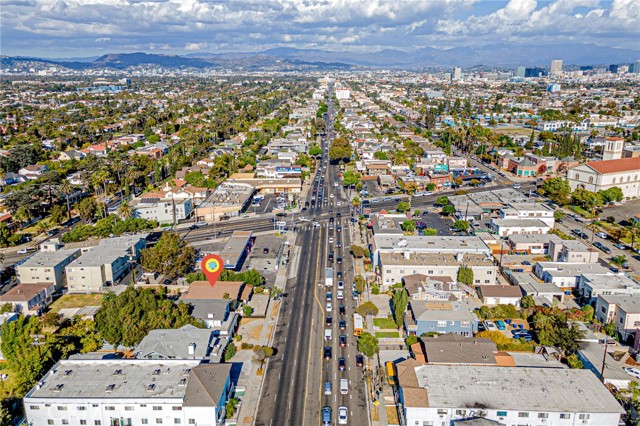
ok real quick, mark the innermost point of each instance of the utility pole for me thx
(604, 358)
(36, 342)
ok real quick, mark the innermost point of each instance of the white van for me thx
(328, 334)
(344, 386)
(340, 294)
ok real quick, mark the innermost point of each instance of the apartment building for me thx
(432, 395)
(164, 210)
(506, 227)
(47, 267)
(572, 251)
(103, 265)
(130, 392)
(592, 286)
(394, 266)
(621, 309)
(528, 211)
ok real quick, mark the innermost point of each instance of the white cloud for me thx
(190, 47)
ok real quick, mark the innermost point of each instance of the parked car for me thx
(620, 246)
(602, 247)
(501, 325)
(490, 326)
(359, 360)
(633, 372)
(601, 235)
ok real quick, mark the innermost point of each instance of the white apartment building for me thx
(528, 211)
(592, 286)
(434, 395)
(601, 175)
(506, 227)
(46, 267)
(395, 266)
(130, 392)
(163, 210)
(343, 93)
(622, 310)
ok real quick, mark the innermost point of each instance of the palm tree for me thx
(66, 188)
(619, 260)
(633, 229)
(125, 211)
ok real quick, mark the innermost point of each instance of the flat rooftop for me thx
(518, 389)
(235, 247)
(613, 282)
(48, 258)
(126, 378)
(566, 269)
(433, 244)
(629, 304)
(520, 223)
(534, 238)
(444, 259)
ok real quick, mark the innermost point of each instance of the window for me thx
(145, 421)
(62, 408)
(192, 421)
(97, 422)
(34, 407)
(128, 408)
(176, 421)
(176, 408)
(109, 408)
(543, 415)
(523, 414)
(465, 324)
(442, 323)
(461, 412)
(584, 416)
(565, 416)
(50, 422)
(501, 413)
(442, 411)
(83, 422)
(82, 408)
(157, 408)
(590, 179)
(65, 421)
(158, 420)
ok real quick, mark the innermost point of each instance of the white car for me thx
(602, 235)
(490, 326)
(331, 196)
(303, 219)
(316, 224)
(22, 251)
(633, 372)
(343, 415)
(330, 240)
(329, 307)
(338, 203)
(516, 186)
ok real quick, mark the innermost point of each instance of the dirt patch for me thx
(76, 301)
(274, 309)
(256, 332)
(245, 321)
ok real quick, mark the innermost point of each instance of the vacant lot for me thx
(384, 323)
(76, 301)
(387, 334)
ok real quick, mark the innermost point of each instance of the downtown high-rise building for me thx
(520, 71)
(457, 74)
(556, 67)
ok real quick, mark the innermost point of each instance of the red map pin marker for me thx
(212, 266)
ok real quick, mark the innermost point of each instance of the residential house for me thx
(572, 251)
(424, 287)
(492, 295)
(441, 317)
(33, 172)
(506, 227)
(591, 286)
(186, 342)
(29, 299)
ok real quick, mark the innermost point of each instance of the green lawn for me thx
(387, 334)
(384, 323)
(76, 301)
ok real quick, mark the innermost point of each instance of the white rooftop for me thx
(432, 244)
(518, 389)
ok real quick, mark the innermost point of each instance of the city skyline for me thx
(74, 28)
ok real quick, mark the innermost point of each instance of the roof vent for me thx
(156, 372)
(58, 387)
(117, 372)
(68, 373)
(110, 388)
(151, 387)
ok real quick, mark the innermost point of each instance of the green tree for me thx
(465, 275)
(555, 330)
(448, 210)
(403, 206)
(5, 235)
(315, 150)
(557, 189)
(527, 302)
(619, 260)
(170, 256)
(399, 302)
(367, 308)
(442, 200)
(588, 312)
(430, 232)
(634, 229)
(380, 155)
(124, 210)
(247, 311)
(360, 283)
(87, 209)
(611, 194)
(58, 214)
(411, 339)
(431, 187)
(461, 225)
(126, 318)
(368, 345)
(574, 362)
(559, 215)
(408, 226)
(230, 408)
(356, 250)
(350, 178)
(229, 352)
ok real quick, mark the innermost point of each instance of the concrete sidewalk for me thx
(248, 376)
(377, 414)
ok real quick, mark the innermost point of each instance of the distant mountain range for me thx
(497, 55)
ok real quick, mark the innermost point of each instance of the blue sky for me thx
(73, 28)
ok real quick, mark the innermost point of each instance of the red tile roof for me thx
(615, 166)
